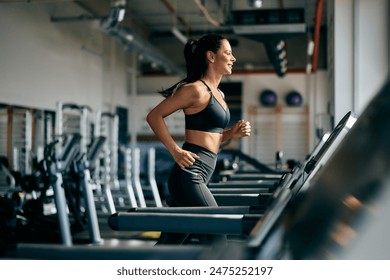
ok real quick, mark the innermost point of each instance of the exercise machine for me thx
(157, 220)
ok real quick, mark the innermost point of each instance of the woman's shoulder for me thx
(193, 90)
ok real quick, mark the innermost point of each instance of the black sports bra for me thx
(213, 118)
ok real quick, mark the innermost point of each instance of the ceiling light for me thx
(310, 48)
(282, 54)
(255, 3)
(129, 37)
(283, 63)
(280, 45)
(309, 68)
(121, 14)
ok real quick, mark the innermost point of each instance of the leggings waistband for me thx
(205, 155)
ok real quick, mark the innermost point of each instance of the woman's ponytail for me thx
(196, 63)
(192, 65)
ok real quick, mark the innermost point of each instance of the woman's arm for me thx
(181, 99)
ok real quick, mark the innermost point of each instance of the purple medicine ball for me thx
(294, 98)
(268, 98)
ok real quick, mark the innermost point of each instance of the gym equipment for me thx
(241, 163)
(132, 191)
(52, 177)
(111, 251)
(244, 176)
(240, 190)
(106, 125)
(21, 130)
(268, 98)
(64, 173)
(152, 176)
(344, 213)
(240, 219)
(333, 202)
(312, 169)
(294, 98)
(260, 199)
(109, 129)
(16, 125)
(9, 198)
(209, 220)
(9, 177)
(322, 124)
(335, 138)
(249, 183)
(234, 224)
(147, 188)
(245, 192)
(128, 177)
(7, 211)
(21, 136)
(278, 159)
(289, 188)
(202, 210)
(137, 179)
(161, 252)
(52, 171)
(282, 197)
(244, 186)
(254, 183)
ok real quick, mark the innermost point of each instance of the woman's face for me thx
(224, 58)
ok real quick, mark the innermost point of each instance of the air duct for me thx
(271, 27)
(149, 52)
(134, 42)
(116, 15)
(271, 23)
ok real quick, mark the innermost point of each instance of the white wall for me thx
(372, 37)
(359, 50)
(42, 62)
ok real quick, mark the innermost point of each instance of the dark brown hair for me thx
(195, 57)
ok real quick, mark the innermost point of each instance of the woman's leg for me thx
(188, 188)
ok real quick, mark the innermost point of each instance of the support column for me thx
(358, 53)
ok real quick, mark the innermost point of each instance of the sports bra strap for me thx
(223, 95)
(206, 85)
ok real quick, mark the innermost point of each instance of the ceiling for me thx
(151, 22)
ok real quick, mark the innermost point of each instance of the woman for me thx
(206, 117)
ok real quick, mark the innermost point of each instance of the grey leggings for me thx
(188, 187)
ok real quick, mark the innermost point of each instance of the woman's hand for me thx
(184, 158)
(241, 129)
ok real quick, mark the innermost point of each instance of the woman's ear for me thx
(210, 56)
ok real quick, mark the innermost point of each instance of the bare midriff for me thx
(208, 140)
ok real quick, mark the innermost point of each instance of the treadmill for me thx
(340, 194)
(343, 212)
(217, 220)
